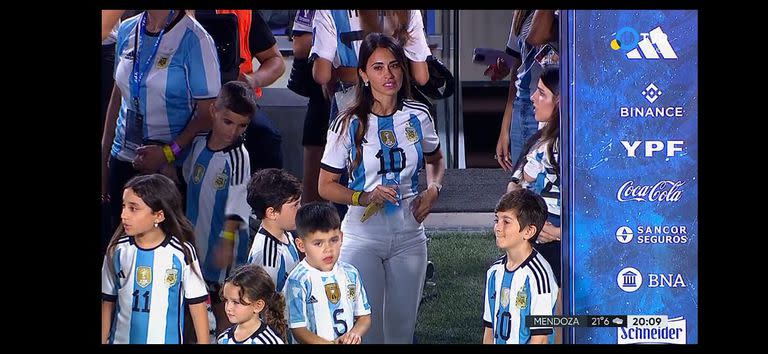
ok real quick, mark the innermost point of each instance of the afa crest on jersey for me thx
(522, 299)
(220, 181)
(333, 293)
(163, 62)
(410, 133)
(387, 138)
(198, 173)
(143, 276)
(351, 291)
(171, 277)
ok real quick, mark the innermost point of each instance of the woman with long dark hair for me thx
(384, 138)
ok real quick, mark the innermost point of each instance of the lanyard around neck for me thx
(137, 75)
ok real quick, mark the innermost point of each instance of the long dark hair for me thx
(550, 77)
(159, 193)
(255, 284)
(363, 103)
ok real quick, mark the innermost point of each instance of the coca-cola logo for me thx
(663, 191)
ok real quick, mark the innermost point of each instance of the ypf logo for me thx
(653, 45)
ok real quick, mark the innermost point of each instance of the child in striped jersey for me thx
(325, 297)
(151, 269)
(521, 283)
(254, 306)
(274, 196)
(217, 171)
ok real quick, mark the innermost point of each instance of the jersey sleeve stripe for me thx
(107, 297)
(542, 331)
(544, 275)
(420, 108)
(273, 251)
(331, 169)
(537, 276)
(197, 300)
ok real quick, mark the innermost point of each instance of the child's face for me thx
(227, 125)
(507, 230)
(237, 310)
(322, 248)
(137, 217)
(286, 218)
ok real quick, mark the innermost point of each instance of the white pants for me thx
(390, 251)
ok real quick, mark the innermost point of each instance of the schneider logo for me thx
(653, 45)
(673, 333)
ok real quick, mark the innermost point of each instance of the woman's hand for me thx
(422, 205)
(149, 159)
(379, 195)
(502, 151)
(548, 233)
(497, 71)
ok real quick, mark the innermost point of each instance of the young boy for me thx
(325, 298)
(217, 173)
(521, 282)
(274, 196)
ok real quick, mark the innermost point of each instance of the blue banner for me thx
(633, 200)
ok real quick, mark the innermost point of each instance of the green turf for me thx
(455, 313)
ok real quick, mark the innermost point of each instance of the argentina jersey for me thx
(150, 288)
(276, 257)
(393, 148)
(337, 35)
(217, 184)
(510, 296)
(263, 335)
(546, 178)
(326, 303)
(527, 79)
(185, 68)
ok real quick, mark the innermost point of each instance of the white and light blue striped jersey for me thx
(326, 303)
(277, 258)
(530, 289)
(393, 148)
(527, 76)
(150, 288)
(546, 177)
(337, 35)
(185, 68)
(263, 335)
(217, 186)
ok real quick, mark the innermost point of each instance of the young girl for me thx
(539, 168)
(151, 269)
(248, 293)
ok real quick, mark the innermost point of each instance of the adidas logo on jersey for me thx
(312, 300)
(654, 44)
(121, 275)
